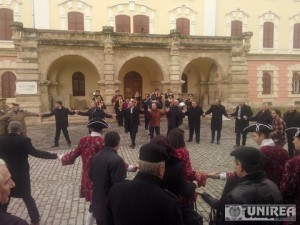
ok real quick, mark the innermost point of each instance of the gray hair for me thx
(14, 127)
(149, 167)
(2, 163)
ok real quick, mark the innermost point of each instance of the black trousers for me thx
(147, 121)
(157, 131)
(238, 138)
(65, 132)
(120, 119)
(197, 133)
(213, 133)
(291, 146)
(132, 137)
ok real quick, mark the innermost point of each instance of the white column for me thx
(41, 14)
(210, 16)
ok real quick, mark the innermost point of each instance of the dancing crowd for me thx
(164, 189)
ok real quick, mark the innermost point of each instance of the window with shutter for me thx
(123, 23)
(297, 35)
(8, 81)
(183, 26)
(236, 28)
(78, 84)
(268, 37)
(141, 24)
(296, 83)
(75, 21)
(266, 83)
(184, 87)
(6, 17)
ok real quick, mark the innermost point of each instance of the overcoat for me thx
(217, 113)
(240, 123)
(194, 116)
(132, 120)
(61, 116)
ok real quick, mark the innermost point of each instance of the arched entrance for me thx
(202, 78)
(132, 82)
(8, 81)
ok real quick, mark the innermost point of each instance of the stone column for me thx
(109, 84)
(27, 66)
(174, 64)
(238, 72)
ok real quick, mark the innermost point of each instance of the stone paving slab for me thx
(56, 188)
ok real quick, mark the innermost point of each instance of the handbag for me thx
(191, 216)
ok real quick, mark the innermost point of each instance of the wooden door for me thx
(8, 82)
(132, 83)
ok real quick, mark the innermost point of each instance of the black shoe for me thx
(55, 145)
(218, 142)
(236, 146)
(198, 142)
(132, 145)
(69, 144)
(189, 140)
(212, 141)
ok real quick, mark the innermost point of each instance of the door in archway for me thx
(8, 81)
(132, 83)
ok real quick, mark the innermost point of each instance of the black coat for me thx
(14, 150)
(142, 202)
(61, 116)
(241, 124)
(217, 113)
(174, 116)
(95, 112)
(194, 116)
(7, 219)
(263, 117)
(107, 168)
(132, 120)
(174, 179)
(292, 119)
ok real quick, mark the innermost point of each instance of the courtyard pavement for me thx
(56, 188)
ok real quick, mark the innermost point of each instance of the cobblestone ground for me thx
(56, 188)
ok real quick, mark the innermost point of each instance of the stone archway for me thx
(60, 75)
(151, 75)
(204, 77)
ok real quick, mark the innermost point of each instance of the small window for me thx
(183, 26)
(8, 82)
(75, 21)
(266, 83)
(184, 87)
(236, 28)
(123, 23)
(78, 83)
(297, 35)
(141, 24)
(6, 17)
(296, 83)
(268, 35)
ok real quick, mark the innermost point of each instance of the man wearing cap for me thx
(15, 149)
(107, 168)
(275, 157)
(290, 181)
(3, 110)
(6, 184)
(242, 114)
(61, 121)
(253, 186)
(142, 200)
(217, 111)
(17, 114)
(194, 114)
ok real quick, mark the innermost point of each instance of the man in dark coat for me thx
(146, 103)
(253, 186)
(107, 168)
(263, 116)
(217, 111)
(174, 116)
(242, 114)
(291, 119)
(15, 149)
(132, 121)
(194, 114)
(95, 112)
(142, 201)
(61, 120)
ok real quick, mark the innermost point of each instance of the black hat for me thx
(249, 155)
(97, 123)
(153, 153)
(259, 127)
(293, 131)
